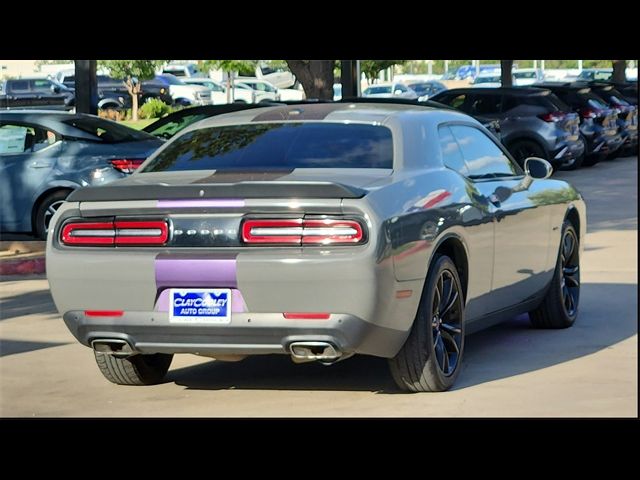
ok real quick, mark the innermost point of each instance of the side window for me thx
(483, 157)
(40, 85)
(400, 87)
(19, 139)
(485, 104)
(457, 101)
(451, 154)
(18, 85)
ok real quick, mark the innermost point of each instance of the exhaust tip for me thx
(311, 351)
(112, 346)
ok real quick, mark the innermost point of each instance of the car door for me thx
(522, 220)
(45, 95)
(26, 162)
(479, 222)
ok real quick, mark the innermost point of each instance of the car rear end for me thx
(627, 117)
(227, 262)
(599, 125)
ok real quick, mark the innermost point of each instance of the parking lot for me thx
(509, 370)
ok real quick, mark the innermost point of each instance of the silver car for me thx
(317, 231)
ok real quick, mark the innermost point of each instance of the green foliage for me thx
(154, 108)
(141, 69)
(371, 68)
(243, 67)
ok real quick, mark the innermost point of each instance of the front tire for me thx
(523, 149)
(559, 308)
(429, 361)
(134, 370)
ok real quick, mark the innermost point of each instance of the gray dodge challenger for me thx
(317, 231)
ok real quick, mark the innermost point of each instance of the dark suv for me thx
(112, 93)
(598, 122)
(627, 115)
(533, 122)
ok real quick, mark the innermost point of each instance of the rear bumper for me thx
(566, 152)
(247, 334)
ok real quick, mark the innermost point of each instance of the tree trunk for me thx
(228, 87)
(315, 76)
(506, 77)
(619, 71)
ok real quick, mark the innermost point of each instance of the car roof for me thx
(330, 112)
(512, 90)
(562, 85)
(50, 119)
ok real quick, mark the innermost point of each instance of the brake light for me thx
(590, 113)
(306, 316)
(126, 165)
(553, 116)
(301, 231)
(125, 232)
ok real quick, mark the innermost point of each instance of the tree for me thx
(316, 77)
(132, 73)
(619, 71)
(371, 68)
(506, 77)
(230, 67)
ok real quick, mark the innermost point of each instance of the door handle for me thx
(40, 165)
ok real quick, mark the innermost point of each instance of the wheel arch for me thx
(573, 216)
(511, 140)
(45, 194)
(453, 246)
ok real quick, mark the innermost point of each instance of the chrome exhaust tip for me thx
(312, 351)
(112, 346)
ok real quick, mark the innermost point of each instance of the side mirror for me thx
(537, 168)
(55, 88)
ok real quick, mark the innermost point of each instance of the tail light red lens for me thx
(590, 113)
(553, 116)
(119, 232)
(301, 231)
(306, 316)
(127, 165)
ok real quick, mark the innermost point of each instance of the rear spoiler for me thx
(233, 190)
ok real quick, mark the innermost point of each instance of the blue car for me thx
(45, 155)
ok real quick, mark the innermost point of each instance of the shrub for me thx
(154, 108)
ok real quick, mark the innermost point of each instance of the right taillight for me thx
(126, 165)
(302, 231)
(590, 113)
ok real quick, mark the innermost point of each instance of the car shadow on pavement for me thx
(608, 315)
(12, 347)
(31, 303)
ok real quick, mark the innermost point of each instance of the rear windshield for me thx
(274, 146)
(107, 131)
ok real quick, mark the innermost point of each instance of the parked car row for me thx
(569, 124)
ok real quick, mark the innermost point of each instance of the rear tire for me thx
(134, 370)
(523, 149)
(559, 308)
(429, 360)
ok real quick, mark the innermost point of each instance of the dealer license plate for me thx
(204, 305)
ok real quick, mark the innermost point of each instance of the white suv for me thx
(265, 91)
(219, 91)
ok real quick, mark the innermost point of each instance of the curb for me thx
(25, 266)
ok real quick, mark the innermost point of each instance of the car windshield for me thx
(171, 80)
(377, 90)
(106, 130)
(277, 146)
(495, 79)
(169, 129)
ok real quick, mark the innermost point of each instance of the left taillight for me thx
(302, 231)
(118, 232)
(126, 165)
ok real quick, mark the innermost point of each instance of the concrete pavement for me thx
(509, 370)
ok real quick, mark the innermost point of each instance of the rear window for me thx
(274, 146)
(107, 131)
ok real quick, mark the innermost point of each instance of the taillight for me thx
(590, 113)
(126, 165)
(301, 231)
(553, 116)
(119, 232)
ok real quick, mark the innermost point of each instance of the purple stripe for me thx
(195, 272)
(238, 304)
(226, 203)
